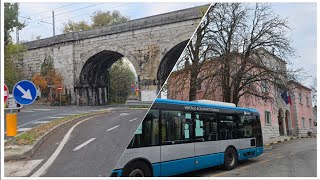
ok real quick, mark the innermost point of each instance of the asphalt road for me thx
(93, 148)
(295, 158)
(34, 115)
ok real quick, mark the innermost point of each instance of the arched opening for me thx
(168, 62)
(94, 85)
(281, 122)
(288, 123)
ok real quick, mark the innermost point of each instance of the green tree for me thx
(11, 12)
(104, 18)
(99, 18)
(75, 26)
(13, 54)
(121, 78)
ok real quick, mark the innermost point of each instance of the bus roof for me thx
(191, 103)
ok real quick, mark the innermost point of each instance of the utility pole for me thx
(17, 28)
(54, 33)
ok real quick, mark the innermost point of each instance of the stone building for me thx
(283, 114)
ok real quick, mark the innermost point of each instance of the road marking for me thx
(113, 128)
(55, 117)
(48, 163)
(41, 109)
(41, 122)
(68, 114)
(20, 168)
(291, 153)
(83, 144)
(264, 161)
(26, 111)
(133, 119)
(124, 114)
(24, 129)
(279, 157)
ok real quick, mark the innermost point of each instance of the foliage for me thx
(46, 66)
(76, 26)
(121, 78)
(99, 18)
(48, 76)
(11, 12)
(104, 18)
(39, 81)
(13, 54)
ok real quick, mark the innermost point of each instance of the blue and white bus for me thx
(180, 136)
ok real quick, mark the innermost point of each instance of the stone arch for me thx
(126, 53)
(92, 85)
(169, 55)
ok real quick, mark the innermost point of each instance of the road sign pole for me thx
(60, 98)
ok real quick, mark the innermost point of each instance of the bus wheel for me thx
(230, 158)
(137, 169)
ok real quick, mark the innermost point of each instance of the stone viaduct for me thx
(152, 44)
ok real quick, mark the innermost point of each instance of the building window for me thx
(310, 122)
(303, 122)
(267, 117)
(300, 97)
(265, 86)
(307, 98)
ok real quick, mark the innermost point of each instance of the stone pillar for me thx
(284, 126)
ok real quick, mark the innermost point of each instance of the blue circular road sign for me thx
(24, 92)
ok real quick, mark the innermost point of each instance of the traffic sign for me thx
(6, 93)
(60, 88)
(25, 92)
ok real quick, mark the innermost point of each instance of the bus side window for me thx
(246, 126)
(147, 133)
(205, 127)
(176, 127)
(228, 127)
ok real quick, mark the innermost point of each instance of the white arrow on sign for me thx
(26, 94)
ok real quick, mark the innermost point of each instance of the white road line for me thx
(41, 122)
(24, 129)
(133, 119)
(48, 163)
(124, 114)
(68, 114)
(83, 144)
(113, 128)
(55, 117)
(26, 111)
(30, 122)
(41, 109)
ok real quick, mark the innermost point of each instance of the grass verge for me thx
(30, 136)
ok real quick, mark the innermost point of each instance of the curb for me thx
(27, 151)
(288, 139)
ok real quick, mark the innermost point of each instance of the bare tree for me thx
(314, 91)
(247, 46)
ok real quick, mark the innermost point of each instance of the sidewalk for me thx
(280, 139)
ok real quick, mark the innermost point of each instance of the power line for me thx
(91, 12)
(68, 12)
(61, 7)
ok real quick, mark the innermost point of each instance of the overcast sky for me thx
(301, 16)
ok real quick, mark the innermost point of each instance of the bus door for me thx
(177, 149)
(246, 135)
(207, 146)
